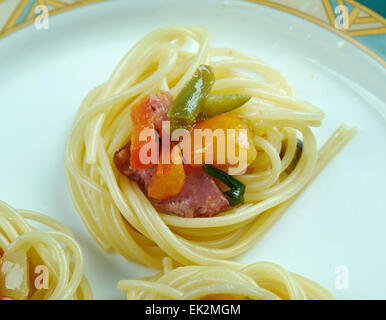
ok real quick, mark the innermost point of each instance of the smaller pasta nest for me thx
(39, 264)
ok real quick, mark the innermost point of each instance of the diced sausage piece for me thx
(122, 162)
(200, 196)
(160, 103)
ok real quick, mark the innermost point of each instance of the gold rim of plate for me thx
(12, 23)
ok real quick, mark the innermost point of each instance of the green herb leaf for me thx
(235, 195)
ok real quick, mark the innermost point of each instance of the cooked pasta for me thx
(39, 264)
(116, 211)
(257, 281)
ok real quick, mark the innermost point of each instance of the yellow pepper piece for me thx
(223, 141)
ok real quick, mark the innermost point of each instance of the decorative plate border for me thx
(357, 24)
(361, 21)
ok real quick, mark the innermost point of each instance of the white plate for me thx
(339, 220)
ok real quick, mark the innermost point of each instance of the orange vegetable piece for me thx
(142, 117)
(169, 178)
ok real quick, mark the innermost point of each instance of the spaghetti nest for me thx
(257, 281)
(36, 264)
(116, 211)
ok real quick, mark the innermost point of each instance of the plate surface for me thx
(336, 227)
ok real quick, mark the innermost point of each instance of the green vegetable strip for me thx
(215, 104)
(188, 103)
(235, 195)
